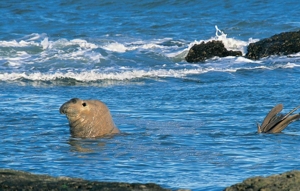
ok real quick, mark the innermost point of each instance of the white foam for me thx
(61, 43)
(229, 43)
(115, 47)
(246, 60)
(150, 46)
(95, 75)
(121, 48)
(62, 54)
(83, 44)
(290, 65)
(42, 50)
(179, 54)
(45, 43)
(34, 37)
(295, 55)
(126, 73)
(80, 49)
(14, 43)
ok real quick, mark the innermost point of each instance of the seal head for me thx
(88, 118)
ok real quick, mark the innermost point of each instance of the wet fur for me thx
(88, 118)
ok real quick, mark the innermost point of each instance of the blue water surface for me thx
(183, 125)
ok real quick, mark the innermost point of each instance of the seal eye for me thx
(84, 104)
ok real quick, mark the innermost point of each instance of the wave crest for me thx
(89, 76)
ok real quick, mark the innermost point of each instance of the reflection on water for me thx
(179, 136)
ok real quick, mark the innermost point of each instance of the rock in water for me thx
(203, 51)
(18, 180)
(279, 44)
(286, 181)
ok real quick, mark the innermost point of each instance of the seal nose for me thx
(62, 109)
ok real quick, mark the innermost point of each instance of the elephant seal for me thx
(88, 118)
(274, 123)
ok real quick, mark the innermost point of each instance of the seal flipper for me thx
(273, 123)
(292, 111)
(278, 123)
(274, 111)
(284, 123)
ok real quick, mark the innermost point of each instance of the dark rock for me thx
(203, 51)
(280, 44)
(289, 181)
(18, 180)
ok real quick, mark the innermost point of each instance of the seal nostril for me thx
(84, 104)
(74, 100)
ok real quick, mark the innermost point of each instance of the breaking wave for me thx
(94, 75)
(37, 57)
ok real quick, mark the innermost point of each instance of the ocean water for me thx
(183, 125)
